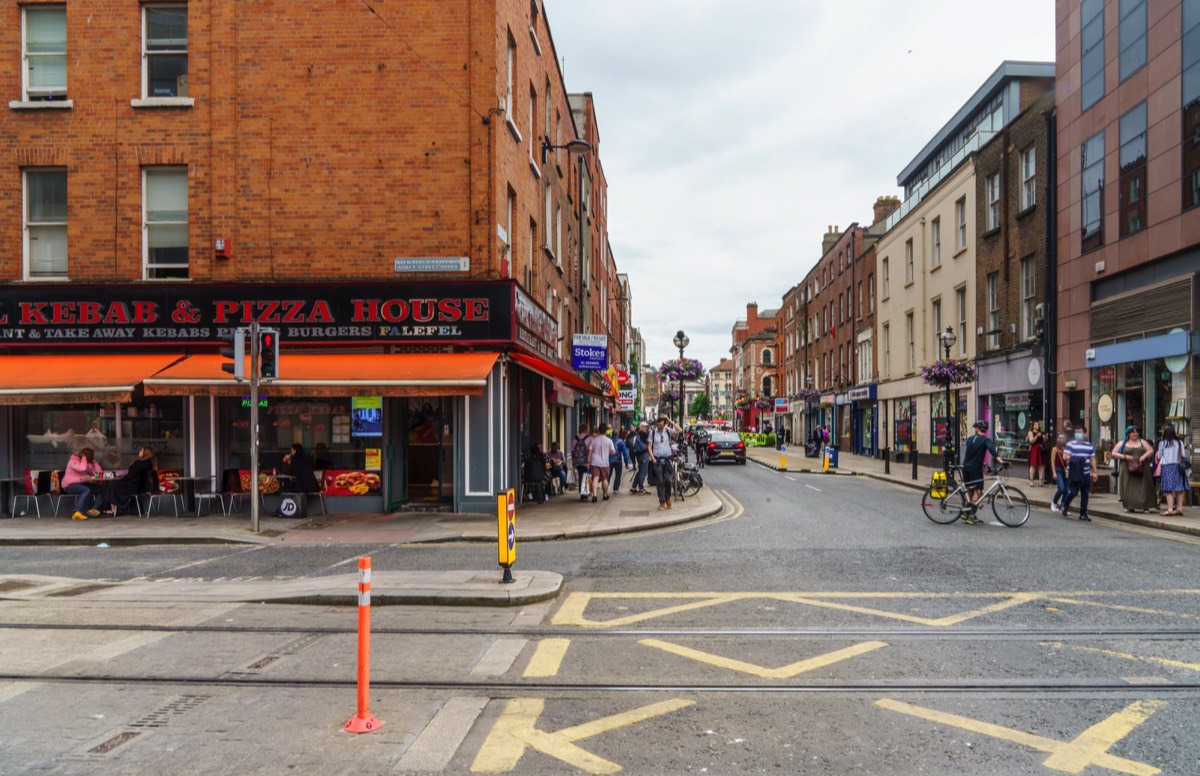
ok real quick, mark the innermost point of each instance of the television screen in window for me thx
(366, 416)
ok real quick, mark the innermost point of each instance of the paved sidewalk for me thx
(562, 517)
(1099, 505)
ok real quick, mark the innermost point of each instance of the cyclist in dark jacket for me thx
(977, 446)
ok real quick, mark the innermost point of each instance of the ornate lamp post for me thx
(681, 341)
(950, 450)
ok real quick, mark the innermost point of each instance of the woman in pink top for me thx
(81, 468)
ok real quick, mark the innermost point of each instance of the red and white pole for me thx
(363, 721)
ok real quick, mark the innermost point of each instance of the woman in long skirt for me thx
(1135, 478)
(1174, 483)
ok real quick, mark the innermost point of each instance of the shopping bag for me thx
(585, 487)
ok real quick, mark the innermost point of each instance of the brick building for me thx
(400, 190)
(754, 355)
(1012, 178)
(1128, 108)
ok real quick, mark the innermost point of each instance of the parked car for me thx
(726, 446)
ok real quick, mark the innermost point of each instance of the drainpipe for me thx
(1050, 348)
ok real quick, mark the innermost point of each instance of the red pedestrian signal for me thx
(268, 354)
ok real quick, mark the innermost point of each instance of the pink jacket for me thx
(78, 470)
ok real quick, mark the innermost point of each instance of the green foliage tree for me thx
(700, 407)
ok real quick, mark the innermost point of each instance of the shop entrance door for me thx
(424, 443)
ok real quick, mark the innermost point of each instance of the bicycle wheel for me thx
(942, 510)
(689, 487)
(1011, 507)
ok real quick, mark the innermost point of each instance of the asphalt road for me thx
(824, 626)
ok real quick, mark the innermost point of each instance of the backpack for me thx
(579, 451)
(635, 445)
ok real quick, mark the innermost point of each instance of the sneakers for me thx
(1085, 518)
(79, 516)
(1055, 507)
(970, 519)
(93, 513)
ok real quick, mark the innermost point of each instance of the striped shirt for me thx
(1081, 448)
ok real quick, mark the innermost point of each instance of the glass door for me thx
(428, 449)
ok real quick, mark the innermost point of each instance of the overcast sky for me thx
(734, 133)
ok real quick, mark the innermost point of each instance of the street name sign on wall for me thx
(589, 351)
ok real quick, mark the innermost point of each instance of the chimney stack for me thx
(884, 207)
(831, 237)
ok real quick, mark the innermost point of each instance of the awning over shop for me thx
(77, 378)
(336, 374)
(554, 372)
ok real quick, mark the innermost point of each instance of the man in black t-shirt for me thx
(977, 446)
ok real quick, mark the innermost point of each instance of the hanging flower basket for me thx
(948, 372)
(668, 397)
(681, 369)
(807, 395)
(764, 404)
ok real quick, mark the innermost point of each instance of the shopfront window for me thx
(115, 432)
(1013, 415)
(343, 436)
(1146, 394)
(904, 412)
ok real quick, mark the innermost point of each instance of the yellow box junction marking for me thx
(1089, 748)
(548, 658)
(516, 731)
(1162, 661)
(1124, 608)
(573, 611)
(786, 672)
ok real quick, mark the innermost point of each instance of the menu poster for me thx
(374, 458)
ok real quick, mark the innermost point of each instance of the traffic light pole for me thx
(254, 381)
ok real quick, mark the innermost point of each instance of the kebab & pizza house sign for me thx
(196, 313)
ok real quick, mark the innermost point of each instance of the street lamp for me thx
(948, 339)
(576, 146)
(681, 341)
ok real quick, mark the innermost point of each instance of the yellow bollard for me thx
(783, 462)
(825, 462)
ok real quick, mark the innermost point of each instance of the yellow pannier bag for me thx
(938, 486)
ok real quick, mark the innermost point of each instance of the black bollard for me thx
(914, 459)
(887, 460)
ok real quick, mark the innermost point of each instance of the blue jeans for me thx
(643, 466)
(615, 470)
(85, 498)
(1084, 489)
(1062, 488)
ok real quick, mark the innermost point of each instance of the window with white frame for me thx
(885, 279)
(936, 318)
(1028, 297)
(45, 52)
(864, 361)
(558, 236)
(960, 303)
(45, 223)
(993, 201)
(548, 232)
(912, 345)
(1029, 178)
(510, 64)
(533, 149)
(935, 230)
(887, 350)
(870, 294)
(993, 310)
(960, 218)
(908, 261)
(165, 222)
(164, 50)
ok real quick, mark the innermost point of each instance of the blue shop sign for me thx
(589, 351)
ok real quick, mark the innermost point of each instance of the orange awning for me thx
(335, 374)
(77, 378)
(544, 367)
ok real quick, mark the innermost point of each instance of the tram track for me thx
(914, 634)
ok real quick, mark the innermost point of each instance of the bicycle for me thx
(1009, 505)
(687, 480)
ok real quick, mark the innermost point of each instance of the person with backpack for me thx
(619, 460)
(1081, 472)
(639, 454)
(579, 459)
(662, 457)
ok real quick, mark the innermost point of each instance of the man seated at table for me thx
(142, 477)
(558, 466)
(81, 469)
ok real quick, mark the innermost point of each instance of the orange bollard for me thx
(363, 721)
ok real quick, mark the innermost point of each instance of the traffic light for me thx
(237, 352)
(268, 354)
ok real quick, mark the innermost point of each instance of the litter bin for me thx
(832, 452)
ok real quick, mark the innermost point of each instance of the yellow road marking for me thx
(1157, 533)
(1089, 748)
(1162, 661)
(785, 672)
(1124, 608)
(574, 608)
(548, 658)
(515, 732)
